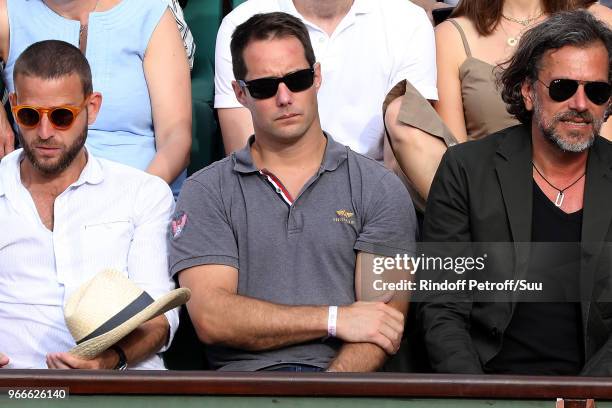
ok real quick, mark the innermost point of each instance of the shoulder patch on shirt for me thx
(179, 220)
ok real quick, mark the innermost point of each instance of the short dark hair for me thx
(576, 28)
(264, 27)
(52, 59)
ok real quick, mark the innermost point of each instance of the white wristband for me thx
(332, 318)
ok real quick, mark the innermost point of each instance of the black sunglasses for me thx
(561, 90)
(264, 88)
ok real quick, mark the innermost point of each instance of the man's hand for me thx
(7, 137)
(4, 360)
(107, 360)
(371, 322)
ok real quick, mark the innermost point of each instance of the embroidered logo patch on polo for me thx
(178, 223)
(344, 216)
(344, 213)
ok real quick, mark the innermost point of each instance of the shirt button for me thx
(321, 39)
(278, 190)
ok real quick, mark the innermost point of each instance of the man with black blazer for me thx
(548, 180)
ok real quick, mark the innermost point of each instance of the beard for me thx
(61, 163)
(573, 141)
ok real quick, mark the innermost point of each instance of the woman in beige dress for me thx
(480, 35)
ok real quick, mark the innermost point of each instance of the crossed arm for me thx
(370, 330)
(138, 345)
(147, 266)
(369, 356)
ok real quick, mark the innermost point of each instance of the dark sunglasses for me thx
(561, 90)
(264, 88)
(61, 117)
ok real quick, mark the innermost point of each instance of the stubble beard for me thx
(575, 142)
(62, 163)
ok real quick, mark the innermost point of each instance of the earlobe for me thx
(239, 92)
(93, 107)
(527, 92)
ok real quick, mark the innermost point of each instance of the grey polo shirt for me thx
(295, 254)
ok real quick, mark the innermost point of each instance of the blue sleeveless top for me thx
(116, 44)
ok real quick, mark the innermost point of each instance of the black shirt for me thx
(545, 338)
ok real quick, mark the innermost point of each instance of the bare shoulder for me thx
(447, 31)
(602, 13)
(448, 39)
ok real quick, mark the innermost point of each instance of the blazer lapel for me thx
(513, 167)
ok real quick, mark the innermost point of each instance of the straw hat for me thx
(108, 307)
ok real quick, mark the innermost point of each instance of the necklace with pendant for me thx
(560, 192)
(513, 40)
(524, 22)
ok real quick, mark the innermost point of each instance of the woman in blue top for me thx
(138, 63)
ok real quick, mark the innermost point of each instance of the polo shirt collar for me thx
(243, 161)
(334, 155)
(362, 7)
(358, 7)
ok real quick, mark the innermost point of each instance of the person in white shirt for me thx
(364, 47)
(65, 216)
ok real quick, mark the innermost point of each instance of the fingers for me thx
(4, 360)
(396, 318)
(55, 361)
(371, 322)
(383, 342)
(66, 361)
(389, 339)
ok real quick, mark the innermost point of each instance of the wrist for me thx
(107, 360)
(332, 321)
(120, 359)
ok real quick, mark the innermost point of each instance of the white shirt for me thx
(113, 216)
(377, 44)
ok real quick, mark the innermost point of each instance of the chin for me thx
(289, 133)
(575, 145)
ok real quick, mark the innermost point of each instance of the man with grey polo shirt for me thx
(275, 240)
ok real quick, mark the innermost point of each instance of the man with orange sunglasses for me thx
(66, 215)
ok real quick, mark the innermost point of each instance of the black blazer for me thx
(482, 192)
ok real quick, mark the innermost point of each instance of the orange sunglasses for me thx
(61, 117)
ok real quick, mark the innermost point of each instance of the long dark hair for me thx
(569, 28)
(485, 14)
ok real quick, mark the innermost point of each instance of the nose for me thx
(45, 130)
(579, 101)
(284, 96)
